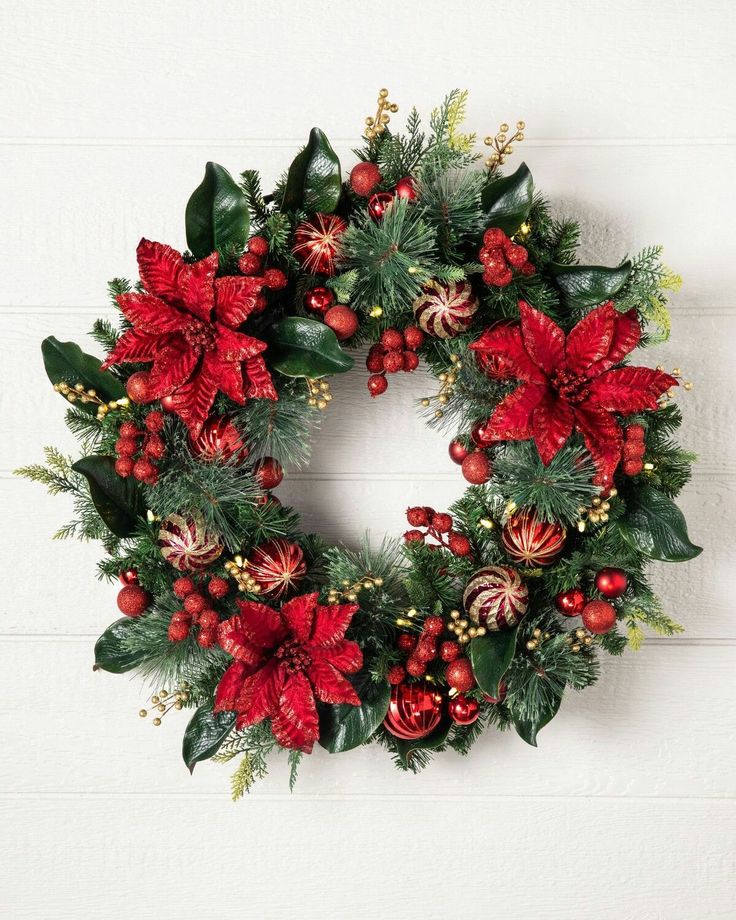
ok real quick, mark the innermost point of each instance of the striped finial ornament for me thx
(496, 597)
(186, 543)
(443, 310)
(530, 541)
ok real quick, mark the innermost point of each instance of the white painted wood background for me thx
(626, 811)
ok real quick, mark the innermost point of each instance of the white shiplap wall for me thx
(627, 808)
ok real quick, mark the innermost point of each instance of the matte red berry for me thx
(442, 522)
(393, 361)
(633, 467)
(415, 667)
(208, 619)
(392, 339)
(516, 255)
(143, 469)
(260, 305)
(634, 432)
(126, 447)
(411, 361)
(528, 269)
(178, 630)
(258, 245)
(413, 337)
(374, 361)
(206, 638)
(364, 177)
(154, 447)
(459, 675)
(377, 384)
(426, 649)
(129, 430)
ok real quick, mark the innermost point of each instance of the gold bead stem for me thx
(462, 629)
(447, 380)
(376, 124)
(502, 144)
(163, 701)
(666, 398)
(597, 512)
(78, 393)
(237, 569)
(578, 639)
(319, 393)
(349, 592)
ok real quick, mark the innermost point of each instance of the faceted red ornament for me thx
(317, 243)
(319, 300)
(463, 710)
(128, 577)
(133, 600)
(530, 541)
(220, 440)
(406, 188)
(571, 603)
(138, 387)
(414, 712)
(342, 320)
(457, 451)
(186, 543)
(611, 582)
(476, 467)
(268, 473)
(364, 177)
(378, 203)
(277, 566)
(599, 617)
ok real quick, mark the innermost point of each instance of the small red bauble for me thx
(406, 643)
(250, 263)
(459, 675)
(611, 582)
(531, 541)
(167, 403)
(450, 651)
(415, 667)
(457, 451)
(599, 617)
(411, 361)
(218, 587)
(277, 566)
(258, 245)
(378, 203)
(133, 600)
(218, 440)
(342, 320)
(137, 386)
(319, 300)
(274, 279)
(317, 243)
(433, 626)
(571, 603)
(458, 544)
(364, 177)
(406, 188)
(377, 384)
(268, 473)
(396, 674)
(463, 710)
(480, 435)
(392, 338)
(476, 467)
(124, 467)
(128, 577)
(184, 586)
(413, 337)
(414, 711)
(393, 361)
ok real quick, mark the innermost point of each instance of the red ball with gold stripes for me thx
(277, 566)
(530, 541)
(496, 597)
(444, 310)
(187, 544)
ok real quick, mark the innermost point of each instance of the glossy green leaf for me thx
(589, 285)
(655, 526)
(528, 730)
(431, 742)
(507, 201)
(111, 649)
(490, 656)
(204, 734)
(344, 727)
(217, 215)
(313, 182)
(65, 362)
(118, 501)
(302, 347)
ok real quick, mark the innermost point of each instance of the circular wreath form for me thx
(487, 611)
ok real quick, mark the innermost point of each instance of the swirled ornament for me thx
(530, 541)
(445, 309)
(496, 597)
(186, 543)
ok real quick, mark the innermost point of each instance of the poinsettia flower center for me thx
(293, 656)
(200, 334)
(572, 387)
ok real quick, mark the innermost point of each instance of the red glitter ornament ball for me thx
(317, 243)
(218, 587)
(137, 386)
(406, 188)
(393, 361)
(463, 710)
(457, 451)
(377, 384)
(378, 203)
(450, 651)
(342, 320)
(571, 603)
(364, 177)
(599, 617)
(414, 711)
(413, 337)
(258, 245)
(268, 473)
(133, 600)
(219, 440)
(611, 582)
(476, 467)
(396, 674)
(277, 566)
(250, 264)
(274, 279)
(458, 544)
(531, 541)
(319, 300)
(459, 675)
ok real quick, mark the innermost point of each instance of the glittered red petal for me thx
(295, 724)
(629, 389)
(344, 655)
(590, 340)
(553, 422)
(512, 418)
(501, 354)
(235, 298)
(150, 314)
(543, 339)
(236, 642)
(260, 625)
(231, 683)
(603, 438)
(329, 685)
(298, 614)
(626, 335)
(260, 384)
(260, 693)
(134, 346)
(161, 269)
(330, 623)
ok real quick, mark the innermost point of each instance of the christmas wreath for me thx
(485, 613)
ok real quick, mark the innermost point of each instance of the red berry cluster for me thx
(500, 256)
(197, 610)
(438, 525)
(634, 450)
(252, 263)
(420, 650)
(147, 446)
(395, 352)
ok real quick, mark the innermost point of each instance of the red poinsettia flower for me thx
(186, 324)
(284, 659)
(569, 383)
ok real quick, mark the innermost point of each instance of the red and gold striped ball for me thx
(318, 243)
(186, 543)
(443, 310)
(415, 710)
(219, 439)
(530, 541)
(277, 566)
(496, 597)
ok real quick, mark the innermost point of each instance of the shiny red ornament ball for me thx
(220, 440)
(457, 451)
(342, 320)
(364, 177)
(463, 710)
(137, 386)
(377, 384)
(476, 467)
(599, 617)
(319, 300)
(571, 603)
(378, 203)
(611, 582)
(459, 675)
(128, 577)
(268, 473)
(318, 244)
(406, 188)
(414, 711)
(133, 600)
(530, 541)
(277, 566)
(480, 435)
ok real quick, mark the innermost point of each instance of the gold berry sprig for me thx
(462, 628)
(163, 701)
(376, 124)
(237, 569)
(349, 592)
(667, 397)
(597, 511)
(447, 380)
(78, 393)
(577, 639)
(319, 394)
(502, 144)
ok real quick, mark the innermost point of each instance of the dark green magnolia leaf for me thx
(204, 734)
(313, 182)
(490, 656)
(111, 649)
(589, 285)
(118, 501)
(301, 347)
(507, 201)
(529, 730)
(430, 743)
(217, 215)
(655, 526)
(65, 362)
(344, 727)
